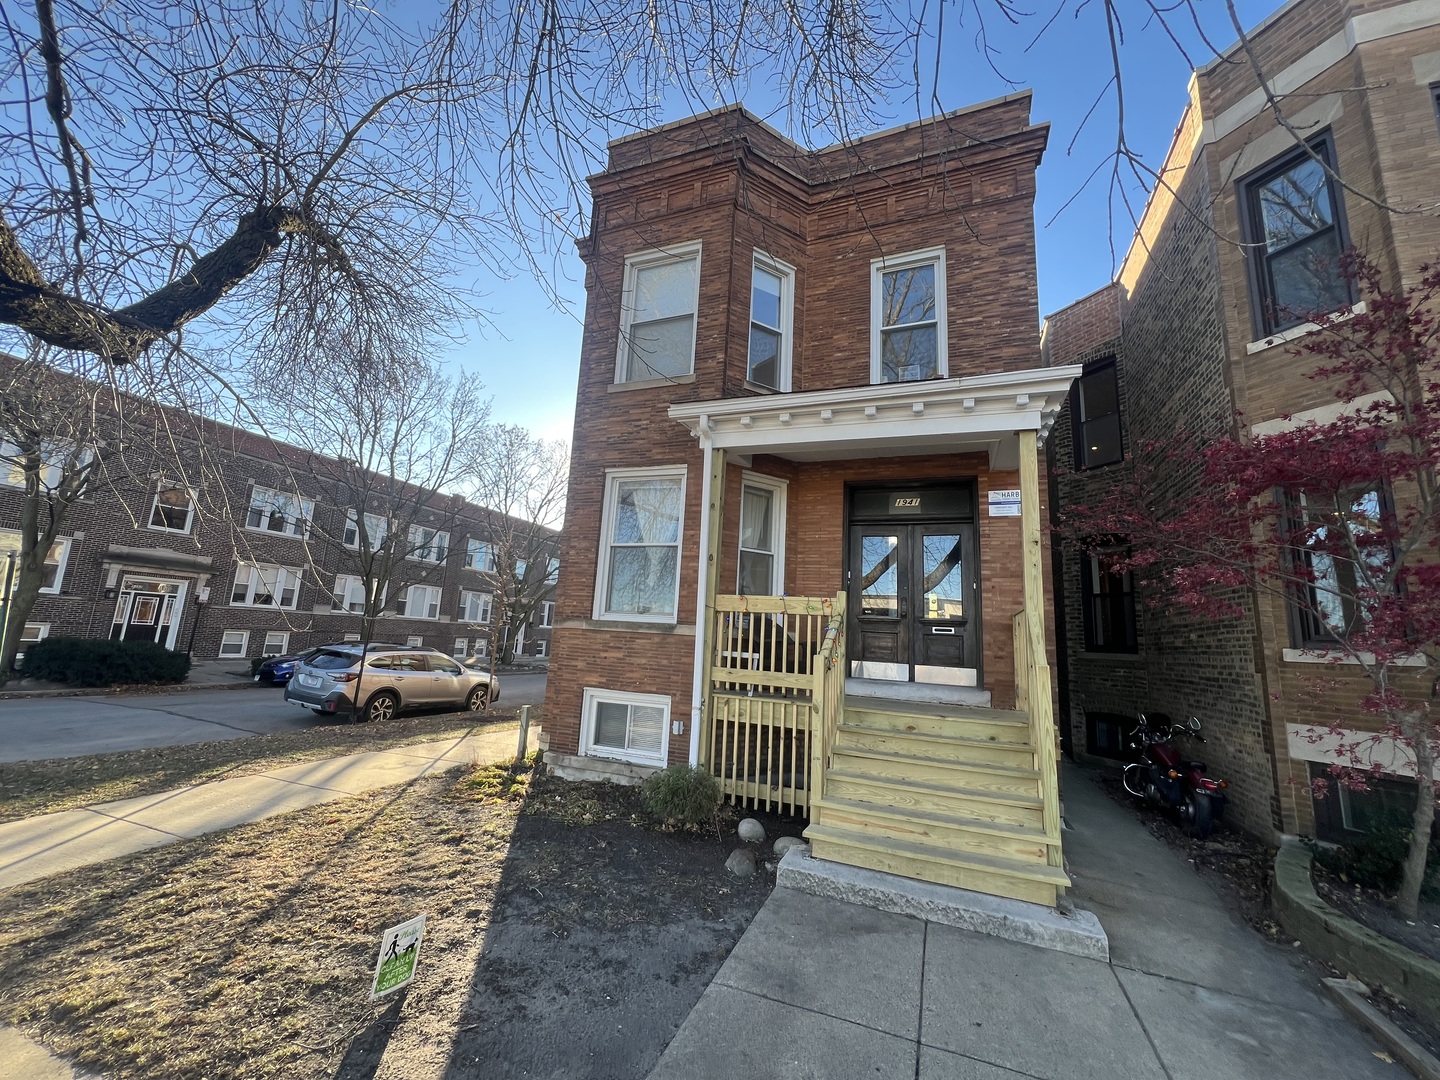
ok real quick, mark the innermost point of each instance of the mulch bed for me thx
(567, 936)
(1371, 908)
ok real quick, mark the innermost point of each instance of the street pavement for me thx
(818, 988)
(32, 729)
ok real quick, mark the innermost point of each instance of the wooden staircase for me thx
(942, 793)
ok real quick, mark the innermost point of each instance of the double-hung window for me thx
(276, 642)
(263, 585)
(234, 643)
(657, 314)
(54, 458)
(173, 509)
(376, 529)
(907, 317)
(630, 727)
(552, 571)
(1095, 408)
(428, 545)
(419, 602)
(475, 607)
(639, 572)
(479, 555)
(761, 570)
(547, 614)
(56, 559)
(350, 594)
(1336, 590)
(1109, 603)
(1294, 229)
(772, 291)
(279, 512)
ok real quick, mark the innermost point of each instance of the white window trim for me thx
(189, 514)
(461, 649)
(786, 273)
(487, 548)
(547, 614)
(607, 524)
(283, 635)
(416, 544)
(487, 606)
(633, 263)
(307, 513)
(279, 588)
(542, 648)
(415, 641)
(880, 267)
(61, 563)
(781, 489)
(377, 537)
(244, 645)
(592, 696)
(439, 602)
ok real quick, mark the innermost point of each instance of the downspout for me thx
(702, 561)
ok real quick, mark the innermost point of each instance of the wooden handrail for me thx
(828, 702)
(1032, 695)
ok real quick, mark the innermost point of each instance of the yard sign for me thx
(399, 951)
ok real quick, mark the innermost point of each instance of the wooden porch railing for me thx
(774, 686)
(1032, 696)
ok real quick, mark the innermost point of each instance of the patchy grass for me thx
(28, 788)
(249, 953)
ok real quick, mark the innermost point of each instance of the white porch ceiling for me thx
(980, 413)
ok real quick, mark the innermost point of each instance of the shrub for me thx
(1377, 859)
(255, 662)
(99, 662)
(683, 795)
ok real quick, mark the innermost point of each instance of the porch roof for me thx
(976, 413)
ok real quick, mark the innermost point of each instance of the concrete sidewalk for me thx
(51, 843)
(825, 989)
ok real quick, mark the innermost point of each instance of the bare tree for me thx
(519, 482)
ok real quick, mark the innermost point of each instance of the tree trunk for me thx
(1419, 733)
(29, 574)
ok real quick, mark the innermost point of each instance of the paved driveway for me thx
(31, 729)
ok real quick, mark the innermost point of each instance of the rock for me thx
(751, 831)
(785, 843)
(741, 862)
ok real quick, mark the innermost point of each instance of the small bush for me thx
(683, 795)
(99, 662)
(255, 662)
(1377, 859)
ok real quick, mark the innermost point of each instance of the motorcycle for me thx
(1161, 776)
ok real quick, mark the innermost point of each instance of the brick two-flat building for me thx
(805, 464)
(1198, 331)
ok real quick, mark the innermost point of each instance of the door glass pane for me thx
(944, 576)
(879, 580)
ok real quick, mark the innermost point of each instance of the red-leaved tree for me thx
(1341, 518)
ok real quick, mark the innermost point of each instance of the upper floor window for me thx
(639, 574)
(1109, 604)
(54, 458)
(419, 602)
(1435, 97)
(657, 316)
(279, 512)
(552, 571)
(262, 585)
(428, 545)
(479, 555)
(907, 317)
(772, 291)
(1295, 228)
(376, 529)
(350, 594)
(56, 560)
(547, 614)
(475, 607)
(1334, 596)
(1096, 412)
(521, 566)
(173, 509)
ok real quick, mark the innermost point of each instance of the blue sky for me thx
(528, 356)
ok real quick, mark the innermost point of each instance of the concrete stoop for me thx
(1076, 932)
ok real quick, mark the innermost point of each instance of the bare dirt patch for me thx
(28, 788)
(566, 937)
(1370, 907)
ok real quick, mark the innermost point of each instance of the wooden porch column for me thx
(1034, 581)
(712, 516)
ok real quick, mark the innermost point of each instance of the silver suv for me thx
(395, 678)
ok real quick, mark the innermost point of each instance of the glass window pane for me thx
(908, 296)
(879, 579)
(611, 721)
(755, 525)
(765, 357)
(907, 355)
(1099, 394)
(1307, 279)
(944, 576)
(1102, 443)
(642, 581)
(647, 512)
(660, 349)
(647, 728)
(757, 573)
(765, 291)
(1295, 204)
(663, 291)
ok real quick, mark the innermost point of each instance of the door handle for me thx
(902, 607)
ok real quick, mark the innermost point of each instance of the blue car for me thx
(277, 670)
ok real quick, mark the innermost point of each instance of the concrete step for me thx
(952, 832)
(938, 747)
(907, 768)
(1022, 810)
(1035, 883)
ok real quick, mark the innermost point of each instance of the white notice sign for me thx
(1005, 502)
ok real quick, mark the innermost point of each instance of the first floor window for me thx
(632, 727)
(640, 545)
(1109, 600)
(1329, 532)
(56, 560)
(280, 512)
(234, 643)
(461, 649)
(33, 632)
(262, 585)
(547, 613)
(350, 637)
(419, 602)
(277, 643)
(482, 646)
(173, 509)
(415, 641)
(475, 607)
(762, 523)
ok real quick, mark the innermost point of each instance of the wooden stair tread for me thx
(933, 817)
(1016, 771)
(1050, 875)
(1031, 802)
(935, 710)
(947, 740)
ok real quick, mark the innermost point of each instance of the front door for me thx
(145, 611)
(913, 592)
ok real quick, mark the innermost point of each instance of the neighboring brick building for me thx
(803, 373)
(253, 555)
(1194, 333)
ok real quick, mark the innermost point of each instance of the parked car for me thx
(395, 678)
(277, 670)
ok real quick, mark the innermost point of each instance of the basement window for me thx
(627, 727)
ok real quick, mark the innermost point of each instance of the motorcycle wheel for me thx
(1202, 816)
(1133, 778)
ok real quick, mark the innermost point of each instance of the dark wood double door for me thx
(914, 587)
